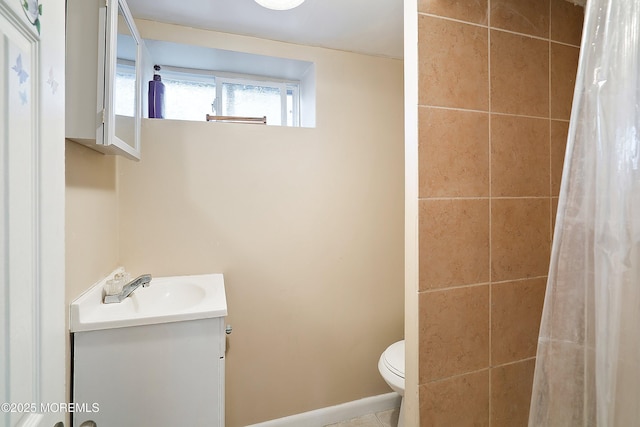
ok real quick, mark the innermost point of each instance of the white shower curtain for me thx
(588, 363)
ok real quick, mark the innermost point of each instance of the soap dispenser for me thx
(156, 95)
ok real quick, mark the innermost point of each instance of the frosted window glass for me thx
(252, 101)
(185, 100)
(125, 94)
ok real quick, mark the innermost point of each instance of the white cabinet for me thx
(155, 359)
(163, 375)
(102, 39)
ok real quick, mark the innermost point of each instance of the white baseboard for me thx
(334, 414)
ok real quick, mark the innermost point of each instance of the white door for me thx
(32, 327)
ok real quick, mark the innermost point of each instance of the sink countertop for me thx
(167, 299)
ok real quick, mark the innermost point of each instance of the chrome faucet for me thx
(143, 280)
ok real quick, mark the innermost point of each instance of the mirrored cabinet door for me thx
(103, 112)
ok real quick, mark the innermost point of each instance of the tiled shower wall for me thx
(496, 82)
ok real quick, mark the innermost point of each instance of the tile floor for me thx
(379, 419)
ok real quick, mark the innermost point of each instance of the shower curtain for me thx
(588, 362)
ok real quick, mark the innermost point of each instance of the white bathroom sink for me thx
(168, 294)
(166, 299)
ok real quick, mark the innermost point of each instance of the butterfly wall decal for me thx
(23, 97)
(53, 84)
(22, 74)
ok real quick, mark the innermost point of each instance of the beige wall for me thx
(91, 234)
(91, 217)
(306, 225)
(495, 89)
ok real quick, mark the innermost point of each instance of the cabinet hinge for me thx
(100, 118)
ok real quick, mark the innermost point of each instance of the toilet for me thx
(391, 367)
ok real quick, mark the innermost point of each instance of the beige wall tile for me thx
(566, 22)
(454, 242)
(516, 309)
(564, 66)
(511, 394)
(453, 153)
(456, 402)
(522, 16)
(453, 64)
(559, 131)
(519, 156)
(454, 332)
(465, 10)
(519, 74)
(528, 77)
(520, 243)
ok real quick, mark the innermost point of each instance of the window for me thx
(125, 88)
(254, 98)
(188, 96)
(203, 80)
(192, 94)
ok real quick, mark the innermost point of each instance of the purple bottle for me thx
(156, 95)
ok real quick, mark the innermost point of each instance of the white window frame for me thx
(187, 74)
(221, 81)
(295, 88)
(219, 78)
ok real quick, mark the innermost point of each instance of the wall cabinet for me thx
(102, 40)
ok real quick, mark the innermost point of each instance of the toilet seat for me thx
(391, 366)
(393, 358)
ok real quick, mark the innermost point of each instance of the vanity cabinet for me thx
(155, 359)
(102, 40)
(163, 375)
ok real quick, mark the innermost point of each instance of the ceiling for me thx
(363, 26)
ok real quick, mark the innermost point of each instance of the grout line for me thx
(459, 21)
(520, 115)
(526, 359)
(475, 24)
(446, 18)
(448, 288)
(435, 107)
(522, 279)
(515, 33)
(564, 44)
(442, 199)
(475, 285)
(439, 380)
(544, 39)
(495, 113)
